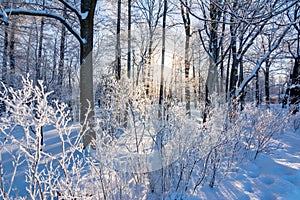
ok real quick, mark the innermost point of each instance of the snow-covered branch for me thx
(44, 13)
(72, 8)
(262, 60)
(294, 86)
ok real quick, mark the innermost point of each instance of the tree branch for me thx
(261, 61)
(72, 8)
(42, 13)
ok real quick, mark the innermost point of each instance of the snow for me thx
(275, 176)
(84, 15)
(294, 86)
(62, 169)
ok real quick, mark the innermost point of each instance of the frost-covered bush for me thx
(226, 139)
(30, 166)
(139, 153)
(257, 128)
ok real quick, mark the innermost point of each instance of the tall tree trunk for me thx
(86, 72)
(241, 78)
(129, 41)
(4, 66)
(5, 56)
(194, 80)
(118, 45)
(221, 46)
(12, 59)
(235, 62)
(28, 51)
(295, 88)
(257, 89)
(199, 82)
(213, 51)
(61, 61)
(53, 76)
(70, 82)
(267, 82)
(38, 65)
(149, 61)
(227, 76)
(187, 27)
(161, 88)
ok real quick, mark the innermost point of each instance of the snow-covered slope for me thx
(269, 177)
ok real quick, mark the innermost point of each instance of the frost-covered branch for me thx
(43, 13)
(262, 60)
(72, 8)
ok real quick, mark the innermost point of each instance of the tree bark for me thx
(28, 51)
(267, 82)
(129, 41)
(213, 52)
(118, 45)
(12, 59)
(86, 72)
(38, 65)
(235, 62)
(295, 88)
(257, 89)
(161, 88)
(187, 28)
(61, 60)
(5, 56)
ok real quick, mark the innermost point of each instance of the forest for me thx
(144, 99)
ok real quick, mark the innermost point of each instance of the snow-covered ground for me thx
(269, 177)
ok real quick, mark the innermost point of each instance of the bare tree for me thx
(152, 12)
(187, 28)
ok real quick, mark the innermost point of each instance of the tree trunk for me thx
(40, 49)
(194, 81)
(241, 78)
(4, 66)
(213, 51)
(149, 61)
(61, 61)
(53, 76)
(129, 41)
(70, 82)
(267, 82)
(161, 88)
(5, 56)
(295, 88)
(235, 62)
(28, 51)
(118, 46)
(86, 72)
(257, 89)
(227, 76)
(187, 27)
(12, 55)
